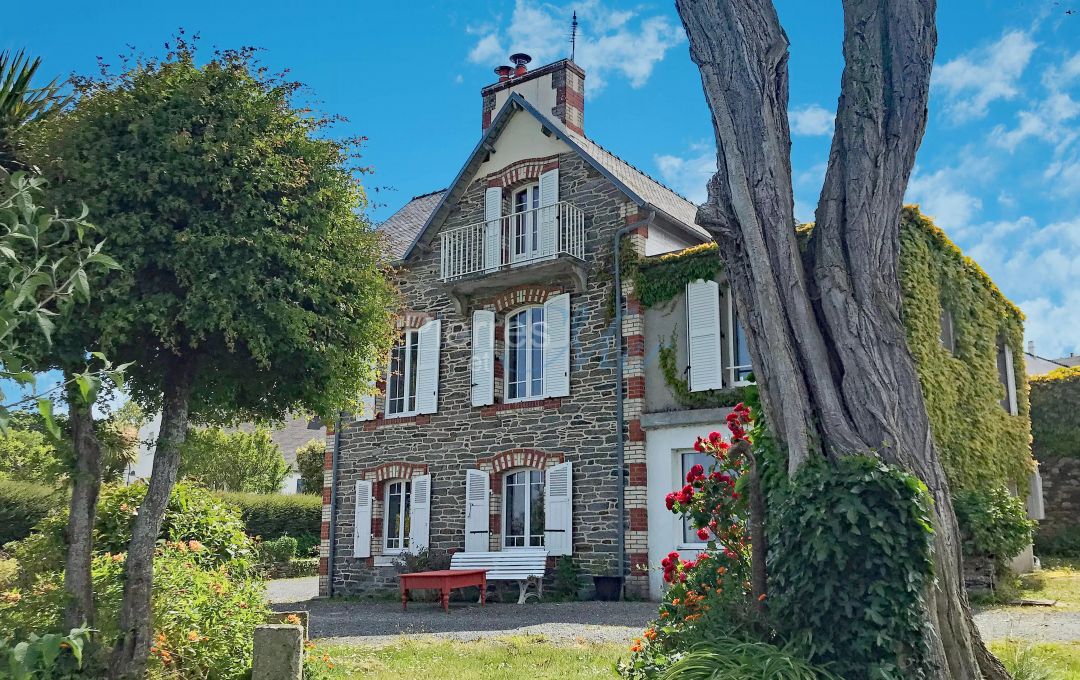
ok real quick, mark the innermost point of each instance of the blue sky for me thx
(999, 167)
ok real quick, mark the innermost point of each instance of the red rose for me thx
(695, 472)
(703, 534)
(699, 445)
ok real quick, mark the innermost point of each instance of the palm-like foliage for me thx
(21, 103)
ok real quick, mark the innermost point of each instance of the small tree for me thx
(234, 461)
(309, 463)
(251, 283)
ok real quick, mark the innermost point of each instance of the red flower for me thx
(669, 500)
(699, 445)
(703, 534)
(715, 437)
(696, 472)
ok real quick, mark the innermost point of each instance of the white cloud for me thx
(689, 175)
(1054, 327)
(946, 193)
(974, 80)
(610, 42)
(811, 120)
(1057, 77)
(1049, 121)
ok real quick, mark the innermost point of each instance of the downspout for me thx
(620, 448)
(333, 508)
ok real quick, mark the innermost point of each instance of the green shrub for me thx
(734, 659)
(567, 579)
(1060, 542)
(234, 461)
(274, 515)
(47, 657)
(22, 506)
(310, 458)
(993, 523)
(850, 558)
(277, 550)
(307, 545)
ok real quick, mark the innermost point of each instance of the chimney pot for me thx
(504, 72)
(1031, 347)
(520, 60)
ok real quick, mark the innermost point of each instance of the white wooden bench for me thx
(525, 566)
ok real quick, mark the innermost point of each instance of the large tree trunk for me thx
(133, 646)
(85, 487)
(824, 327)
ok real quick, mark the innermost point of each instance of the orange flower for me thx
(12, 597)
(218, 588)
(650, 634)
(665, 614)
(161, 637)
(292, 618)
(761, 597)
(675, 602)
(195, 545)
(309, 645)
(192, 635)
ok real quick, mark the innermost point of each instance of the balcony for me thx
(522, 240)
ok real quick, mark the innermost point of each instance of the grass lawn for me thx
(1040, 660)
(1058, 580)
(532, 657)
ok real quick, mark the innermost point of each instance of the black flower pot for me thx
(608, 588)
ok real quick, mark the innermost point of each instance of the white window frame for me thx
(681, 523)
(530, 216)
(528, 517)
(406, 511)
(407, 335)
(508, 350)
(730, 328)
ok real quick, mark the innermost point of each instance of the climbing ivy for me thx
(981, 445)
(1055, 400)
(680, 389)
(659, 279)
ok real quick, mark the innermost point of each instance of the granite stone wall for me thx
(1061, 493)
(579, 428)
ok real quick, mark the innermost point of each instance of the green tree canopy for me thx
(234, 461)
(309, 463)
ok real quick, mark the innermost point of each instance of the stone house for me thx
(522, 406)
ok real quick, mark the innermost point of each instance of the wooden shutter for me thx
(477, 509)
(1035, 507)
(559, 510)
(362, 520)
(492, 228)
(557, 346)
(483, 358)
(548, 212)
(427, 373)
(703, 336)
(419, 513)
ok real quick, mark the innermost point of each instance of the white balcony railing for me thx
(513, 240)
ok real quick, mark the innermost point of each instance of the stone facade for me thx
(1061, 493)
(579, 428)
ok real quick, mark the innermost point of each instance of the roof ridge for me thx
(635, 168)
(430, 193)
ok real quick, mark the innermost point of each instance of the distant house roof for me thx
(401, 228)
(638, 187)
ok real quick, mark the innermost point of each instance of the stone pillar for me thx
(278, 652)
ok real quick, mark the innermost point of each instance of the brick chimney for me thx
(556, 90)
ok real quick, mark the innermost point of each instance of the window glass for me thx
(523, 509)
(740, 351)
(401, 376)
(689, 460)
(525, 354)
(396, 515)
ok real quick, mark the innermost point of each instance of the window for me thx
(739, 351)
(396, 516)
(523, 509)
(525, 354)
(401, 377)
(948, 340)
(688, 460)
(526, 234)
(1007, 376)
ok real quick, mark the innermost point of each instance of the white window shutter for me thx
(477, 509)
(557, 346)
(492, 228)
(703, 335)
(419, 513)
(427, 372)
(1035, 507)
(559, 510)
(1010, 380)
(483, 358)
(548, 212)
(362, 520)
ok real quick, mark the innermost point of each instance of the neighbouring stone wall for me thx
(579, 428)
(1061, 492)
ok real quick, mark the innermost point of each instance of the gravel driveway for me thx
(376, 623)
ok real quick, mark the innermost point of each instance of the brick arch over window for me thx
(516, 458)
(394, 470)
(412, 319)
(529, 294)
(526, 170)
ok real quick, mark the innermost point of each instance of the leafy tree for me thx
(234, 461)
(251, 284)
(823, 321)
(28, 456)
(309, 463)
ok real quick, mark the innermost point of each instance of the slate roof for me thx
(401, 228)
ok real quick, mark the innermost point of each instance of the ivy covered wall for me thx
(1055, 403)
(981, 444)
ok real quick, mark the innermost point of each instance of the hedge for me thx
(22, 506)
(1055, 400)
(271, 516)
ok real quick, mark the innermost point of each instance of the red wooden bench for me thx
(443, 581)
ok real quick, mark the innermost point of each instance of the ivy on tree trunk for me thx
(824, 329)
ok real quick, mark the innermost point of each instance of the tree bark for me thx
(133, 645)
(824, 326)
(85, 487)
